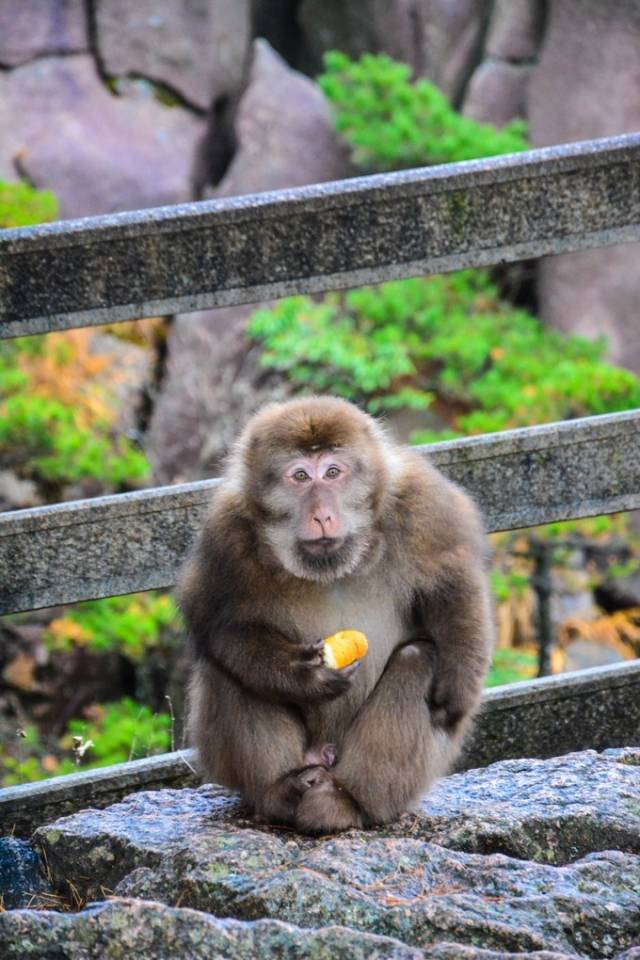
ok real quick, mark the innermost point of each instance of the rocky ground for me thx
(522, 858)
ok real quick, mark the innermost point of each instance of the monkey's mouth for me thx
(322, 547)
(325, 557)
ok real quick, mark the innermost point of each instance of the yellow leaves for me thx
(65, 632)
(620, 632)
(497, 353)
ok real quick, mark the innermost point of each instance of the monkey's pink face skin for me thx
(321, 514)
(318, 484)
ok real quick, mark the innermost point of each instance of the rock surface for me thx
(518, 857)
(31, 28)
(213, 382)
(199, 48)
(586, 85)
(22, 878)
(61, 100)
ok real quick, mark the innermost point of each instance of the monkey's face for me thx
(319, 513)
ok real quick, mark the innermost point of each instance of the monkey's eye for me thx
(300, 476)
(333, 472)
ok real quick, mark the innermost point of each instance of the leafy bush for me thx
(114, 732)
(391, 123)
(404, 343)
(512, 664)
(132, 625)
(21, 205)
(124, 730)
(55, 421)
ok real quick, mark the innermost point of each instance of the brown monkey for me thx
(320, 524)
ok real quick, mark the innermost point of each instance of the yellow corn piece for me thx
(344, 647)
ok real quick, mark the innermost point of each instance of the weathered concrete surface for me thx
(586, 85)
(32, 28)
(336, 235)
(27, 806)
(199, 48)
(56, 101)
(520, 856)
(136, 541)
(537, 718)
(597, 707)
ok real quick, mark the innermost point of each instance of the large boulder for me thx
(199, 48)
(213, 380)
(440, 39)
(98, 152)
(33, 28)
(585, 86)
(522, 856)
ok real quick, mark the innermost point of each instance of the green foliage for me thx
(124, 730)
(51, 439)
(511, 664)
(132, 625)
(451, 337)
(507, 583)
(118, 731)
(391, 123)
(21, 205)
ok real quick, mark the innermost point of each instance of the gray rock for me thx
(163, 932)
(199, 48)
(361, 26)
(22, 879)
(32, 28)
(452, 44)
(497, 92)
(586, 86)
(213, 381)
(120, 152)
(549, 811)
(284, 130)
(516, 29)
(520, 856)
(212, 384)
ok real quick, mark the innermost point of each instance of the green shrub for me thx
(124, 730)
(391, 123)
(511, 664)
(403, 343)
(131, 625)
(55, 440)
(21, 205)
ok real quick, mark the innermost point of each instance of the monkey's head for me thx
(314, 473)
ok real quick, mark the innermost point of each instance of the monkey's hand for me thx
(453, 696)
(318, 681)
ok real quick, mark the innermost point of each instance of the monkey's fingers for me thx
(312, 652)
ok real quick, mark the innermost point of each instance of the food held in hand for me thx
(343, 647)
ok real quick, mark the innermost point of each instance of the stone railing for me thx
(127, 266)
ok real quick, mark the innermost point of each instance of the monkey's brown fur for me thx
(396, 551)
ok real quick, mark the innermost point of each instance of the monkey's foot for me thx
(327, 808)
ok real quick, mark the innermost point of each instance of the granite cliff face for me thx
(524, 858)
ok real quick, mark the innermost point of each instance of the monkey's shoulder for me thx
(430, 518)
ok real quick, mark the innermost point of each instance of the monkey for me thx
(320, 523)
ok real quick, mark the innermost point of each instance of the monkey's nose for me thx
(323, 523)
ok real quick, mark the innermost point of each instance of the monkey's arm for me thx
(455, 616)
(274, 667)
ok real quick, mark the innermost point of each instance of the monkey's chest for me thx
(367, 607)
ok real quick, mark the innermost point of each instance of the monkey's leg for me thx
(249, 744)
(390, 755)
